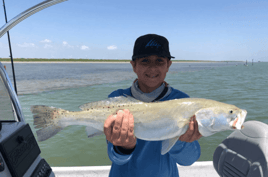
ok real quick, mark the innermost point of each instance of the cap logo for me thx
(152, 42)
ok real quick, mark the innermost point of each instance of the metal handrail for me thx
(12, 94)
(14, 21)
(18, 19)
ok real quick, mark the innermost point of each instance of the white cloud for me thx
(47, 46)
(112, 47)
(84, 47)
(27, 45)
(65, 44)
(46, 41)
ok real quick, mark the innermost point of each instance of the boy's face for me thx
(151, 71)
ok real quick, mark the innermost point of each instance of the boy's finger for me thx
(191, 127)
(196, 135)
(131, 125)
(132, 142)
(117, 125)
(124, 129)
(195, 125)
(131, 137)
(189, 133)
(126, 111)
(108, 125)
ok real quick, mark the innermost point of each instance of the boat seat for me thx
(244, 153)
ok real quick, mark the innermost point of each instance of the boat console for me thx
(19, 151)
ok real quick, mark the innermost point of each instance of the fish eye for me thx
(231, 112)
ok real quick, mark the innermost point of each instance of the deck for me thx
(198, 169)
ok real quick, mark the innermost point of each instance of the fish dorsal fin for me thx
(110, 102)
(168, 144)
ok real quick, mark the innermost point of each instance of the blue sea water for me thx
(69, 85)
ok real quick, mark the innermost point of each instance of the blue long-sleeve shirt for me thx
(146, 159)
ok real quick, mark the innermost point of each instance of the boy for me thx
(134, 157)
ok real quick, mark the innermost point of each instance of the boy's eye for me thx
(158, 61)
(144, 60)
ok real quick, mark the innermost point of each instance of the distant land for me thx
(91, 60)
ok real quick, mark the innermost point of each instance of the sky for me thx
(222, 30)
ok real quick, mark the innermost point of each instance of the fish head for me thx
(219, 118)
(238, 119)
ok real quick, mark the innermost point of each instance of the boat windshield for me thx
(7, 111)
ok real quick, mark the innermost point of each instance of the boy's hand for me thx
(119, 129)
(192, 133)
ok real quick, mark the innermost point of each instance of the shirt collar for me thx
(146, 97)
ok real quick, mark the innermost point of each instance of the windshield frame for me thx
(13, 97)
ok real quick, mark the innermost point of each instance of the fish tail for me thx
(47, 119)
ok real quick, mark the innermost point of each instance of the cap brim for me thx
(141, 56)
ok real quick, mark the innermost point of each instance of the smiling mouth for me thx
(152, 76)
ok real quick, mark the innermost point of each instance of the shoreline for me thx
(44, 60)
(116, 62)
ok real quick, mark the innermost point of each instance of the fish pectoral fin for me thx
(93, 132)
(168, 144)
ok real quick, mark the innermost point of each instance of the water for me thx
(245, 87)
(39, 77)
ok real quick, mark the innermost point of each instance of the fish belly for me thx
(159, 121)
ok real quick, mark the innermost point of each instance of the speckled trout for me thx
(162, 121)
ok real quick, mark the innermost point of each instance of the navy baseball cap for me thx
(151, 44)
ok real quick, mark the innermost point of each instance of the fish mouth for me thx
(238, 122)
